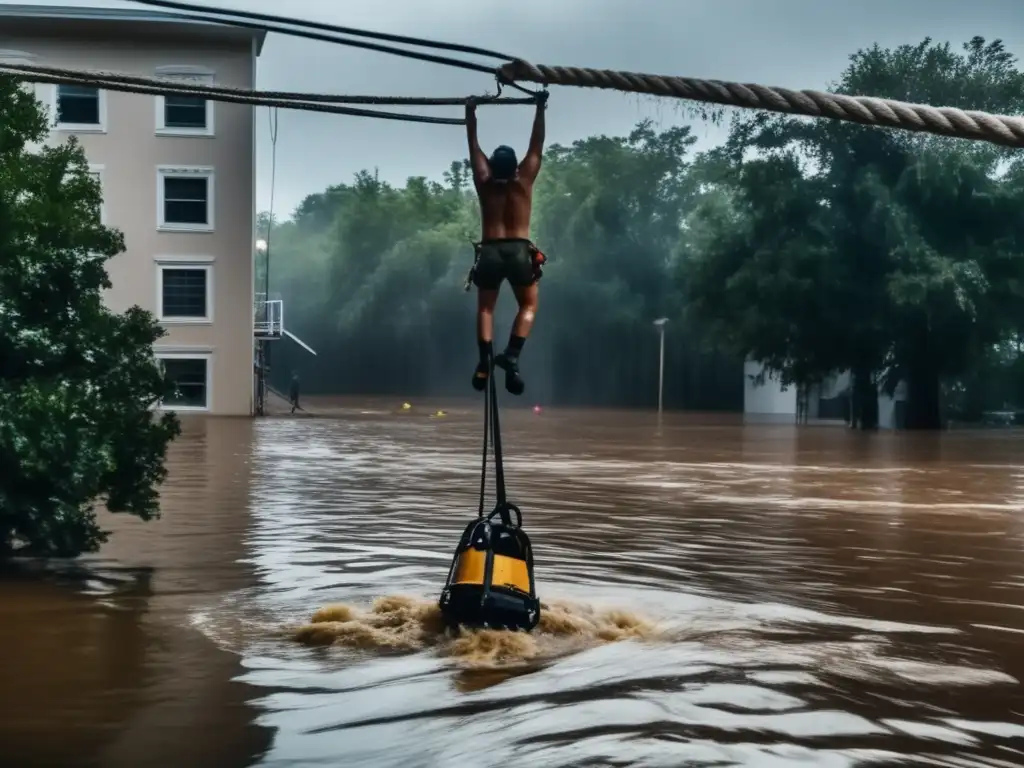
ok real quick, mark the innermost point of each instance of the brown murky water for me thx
(718, 596)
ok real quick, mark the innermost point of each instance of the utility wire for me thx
(19, 72)
(292, 31)
(212, 92)
(417, 41)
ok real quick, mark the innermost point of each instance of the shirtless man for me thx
(505, 252)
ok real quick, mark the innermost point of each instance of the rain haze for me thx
(791, 43)
(818, 567)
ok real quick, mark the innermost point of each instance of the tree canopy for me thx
(77, 381)
(826, 247)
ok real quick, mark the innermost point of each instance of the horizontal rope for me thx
(113, 85)
(184, 87)
(417, 41)
(864, 110)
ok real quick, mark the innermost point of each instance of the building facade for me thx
(178, 178)
(771, 403)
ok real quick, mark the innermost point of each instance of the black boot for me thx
(513, 381)
(480, 376)
(482, 371)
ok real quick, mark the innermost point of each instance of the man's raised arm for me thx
(530, 166)
(477, 158)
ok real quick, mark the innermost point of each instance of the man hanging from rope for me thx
(505, 251)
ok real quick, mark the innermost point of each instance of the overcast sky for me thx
(793, 43)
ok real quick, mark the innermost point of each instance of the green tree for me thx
(77, 381)
(889, 254)
(372, 276)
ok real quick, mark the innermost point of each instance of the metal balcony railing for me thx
(268, 319)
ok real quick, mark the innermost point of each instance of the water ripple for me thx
(815, 605)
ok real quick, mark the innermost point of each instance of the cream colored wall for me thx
(129, 152)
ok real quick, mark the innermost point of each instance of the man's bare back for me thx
(505, 209)
(505, 190)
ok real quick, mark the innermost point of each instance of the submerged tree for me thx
(892, 255)
(77, 381)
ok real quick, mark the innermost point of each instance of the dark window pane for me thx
(184, 292)
(185, 201)
(78, 105)
(189, 379)
(176, 188)
(184, 112)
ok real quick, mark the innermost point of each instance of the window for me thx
(185, 292)
(184, 115)
(80, 108)
(185, 199)
(185, 112)
(190, 374)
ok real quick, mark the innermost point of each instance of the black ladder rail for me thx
(499, 464)
(492, 439)
(487, 419)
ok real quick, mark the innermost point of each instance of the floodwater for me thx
(716, 595)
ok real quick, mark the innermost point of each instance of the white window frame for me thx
(185, 172)
(101, 171)
(183, 353)
(80, 127)
(165, 263)
(186, 74)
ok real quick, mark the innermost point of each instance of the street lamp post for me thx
(262, 248)
(261, 343)
(660, 325)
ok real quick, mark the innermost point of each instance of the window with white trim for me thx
(190, 375)
(184, 115)
(185, 292)
(80, 108)
(185, 197)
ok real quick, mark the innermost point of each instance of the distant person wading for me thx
(293, 392)
(505, 251)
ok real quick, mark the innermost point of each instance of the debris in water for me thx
(409, 624)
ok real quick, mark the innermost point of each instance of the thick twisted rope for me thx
(864, 110)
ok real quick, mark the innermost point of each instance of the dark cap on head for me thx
(504, 163)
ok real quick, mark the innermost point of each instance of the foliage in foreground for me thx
(77, 381)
